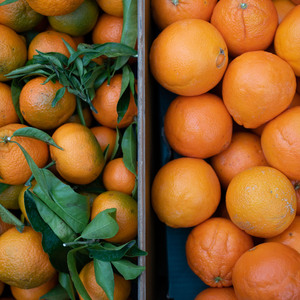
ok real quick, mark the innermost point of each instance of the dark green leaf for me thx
(135, 252)
(66, 282)
(105, 152)
(8, 2)
(96, 187)
(52, 78)
(117, 144)
(70, 49)
(123, 104)
(127, 269)
(64, 79)
(3, 187)
(9, 218)
(105, 277)
(79, 111)
(89, 79)
(51, 58)
(29, 69)
(59, 94)
(57, 293)
(79, 65)
(100, 80)
(16, 87)
(134, 192)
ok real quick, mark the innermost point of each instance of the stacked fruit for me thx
(233, 67)
(68, 161)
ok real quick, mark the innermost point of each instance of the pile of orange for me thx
(234, 120)
(90, 153)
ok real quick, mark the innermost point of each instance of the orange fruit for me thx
(185, 192)
(283, 7)
(289, 237)
(245, 25)
(267, 271)
(7, 110)
(262, 201)
(257, 87)
(36, 104)
(296, 1)
(87, 115)
(14, 169)
(108, 29)
(116, 177)
(167, 12)
(112, 7)
(105, 137)
(106, 101)
(186, 65)
(81, 160)
(13, 51)
(87, 275)
(4, 227)
(50, 41)
(23, 262)
(9, 197)
(79, 22)
(191, 126)
(54, 7)
(280, 142)
(34, 293)
(126, 215)
(243, 152)
(205, 250)
(287, 40)
(217, 294)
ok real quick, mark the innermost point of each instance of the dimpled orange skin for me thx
(267, 271)
(81, 161)
(185, 192)
(191, 126)
(262, 201)
(280, 141)
(257, 86)
(217, 294)
(189, 57)
(14, 168)
(112, 7)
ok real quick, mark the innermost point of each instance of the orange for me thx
(280, 141)
(13, 51)
(112, 7)
(126, 215)
(50, 41)
(205, 250)
(4, 227)
(79, 22)
(287, 39)
(34, 293)
(54, 7)
(283, 7)
(106, 101)
(108, 29)
(19, 16)
(9, 197)
(289, 237)
(14, 169)
(36, 104)
(191, 126)
(257, 87)
(296, 1)
(116, 177)
(268, 271)
(243, 152)
(167, 12)
(185, 192)
(245, 25)
(87, 275)
(105, 137)
(217, 294)
(7, 110)
(262, 201)
(81, 160)
(23, 262)
(189, 57)
(87, 115)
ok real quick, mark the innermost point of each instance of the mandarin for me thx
(112, 7)
(9, 197)
(87, 116)
(217, 294)
(283, 7)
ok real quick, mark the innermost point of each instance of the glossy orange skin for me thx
(217, 294)
(283, 7)
(112, 7)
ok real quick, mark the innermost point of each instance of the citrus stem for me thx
(79, 243)
(218, 279)
(5, 139)
(175, 2)
(79, 111)
(243, 5)
(297, 186)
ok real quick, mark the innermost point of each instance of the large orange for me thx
(81, 160)
(243, 152)
(112, 7)
(217, 294)
(262, 201)
(287, 39)
(247, 25)
(268, 271)
(257, 87)
(23, 262)
(14, 169)
(13, 51)
(189, 57)
(166, 12)
(205, 250)
(283, 7)
(7, 110)
(280, 141)
(191, 126)
(185, 192)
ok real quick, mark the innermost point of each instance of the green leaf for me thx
(105, 277)
(96, 187)
(100, 79)
(59, 94)
(127, 269)
(9, 218)
(135, 189)
(52, 58)
(3, 187)
(16, 87)
(67, 284)
(103, 226)
(123, 104)
(8, 2)
(57, 293)
(135, 252)
(70, 49)
(117, 144)
(79, 66)
(36, 134)
(26, 70)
